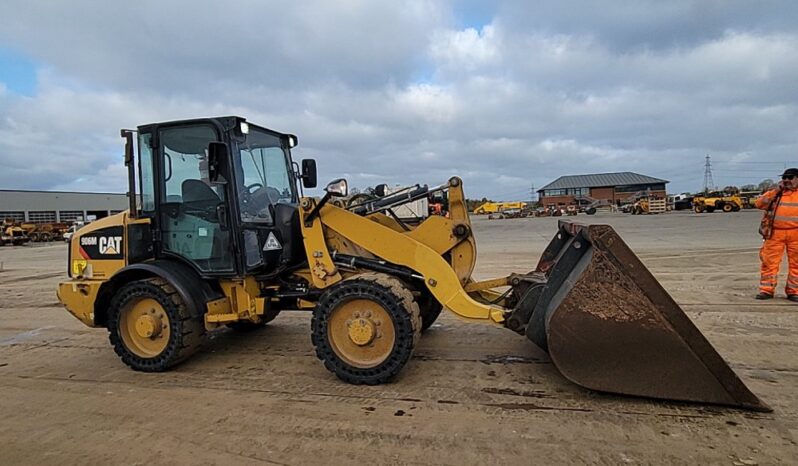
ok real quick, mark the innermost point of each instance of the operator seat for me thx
(198, 196)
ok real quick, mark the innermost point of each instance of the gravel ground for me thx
(472, 394)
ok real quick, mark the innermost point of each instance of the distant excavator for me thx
(218, 234)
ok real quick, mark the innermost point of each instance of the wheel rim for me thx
(144, 328)
(361, 332)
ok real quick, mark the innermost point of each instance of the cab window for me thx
(264, 177)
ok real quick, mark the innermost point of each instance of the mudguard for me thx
(194, 291)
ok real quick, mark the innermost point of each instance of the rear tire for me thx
(728, 208)
(365, 328)
(153, 307)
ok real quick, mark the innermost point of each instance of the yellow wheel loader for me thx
(709, 202)
(12, 233)
(218, 234)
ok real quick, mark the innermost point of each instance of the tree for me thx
(766, 185)
(748, 187)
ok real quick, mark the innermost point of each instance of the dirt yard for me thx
(473, 394)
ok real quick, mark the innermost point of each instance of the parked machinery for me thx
(710, 202)
(493, 207)
(12, 233)
(649, 205)
(45, 232)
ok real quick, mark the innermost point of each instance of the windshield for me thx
(263, 178)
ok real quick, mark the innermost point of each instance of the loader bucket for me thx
(608, 325)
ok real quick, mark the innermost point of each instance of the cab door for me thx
(267, 202)
(193, 219)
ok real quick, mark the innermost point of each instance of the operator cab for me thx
(221, 195)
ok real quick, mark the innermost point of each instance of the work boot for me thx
(793, 298)
(769, 296)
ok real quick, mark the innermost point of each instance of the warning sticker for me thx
(272, 243)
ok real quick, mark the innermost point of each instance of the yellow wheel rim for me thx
(361, 333)
(144, 328)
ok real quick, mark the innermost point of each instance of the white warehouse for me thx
(58, 206)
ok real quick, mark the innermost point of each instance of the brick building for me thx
(613, 188)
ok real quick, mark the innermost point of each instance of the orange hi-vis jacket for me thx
(786, 212)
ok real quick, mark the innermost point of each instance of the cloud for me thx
(404, 92)
(467, 49)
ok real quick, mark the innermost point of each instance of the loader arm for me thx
(397, 248)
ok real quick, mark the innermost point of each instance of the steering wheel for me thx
(255, 200)
(253, 185)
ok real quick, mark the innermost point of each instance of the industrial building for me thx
(609, 188)
(58, 206)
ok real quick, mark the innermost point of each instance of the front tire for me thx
(365, 328)
(150, 327)
(430, 308)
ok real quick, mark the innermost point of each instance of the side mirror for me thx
(337, 188)
(217, 157)
(309, 173)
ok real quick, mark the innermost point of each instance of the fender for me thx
(193, 290)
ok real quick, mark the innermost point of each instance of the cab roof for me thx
(226, 122)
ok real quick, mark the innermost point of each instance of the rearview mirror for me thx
(217, 157)
(337, 188)
(309, 173)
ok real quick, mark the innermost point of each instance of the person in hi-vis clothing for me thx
(780, 231)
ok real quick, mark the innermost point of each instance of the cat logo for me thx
(110, 245)
(271, 243)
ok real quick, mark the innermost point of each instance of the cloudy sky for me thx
(506, 95)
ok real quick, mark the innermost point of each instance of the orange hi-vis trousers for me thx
(770, 255)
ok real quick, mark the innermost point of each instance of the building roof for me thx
(599, 180)
(40, 191)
